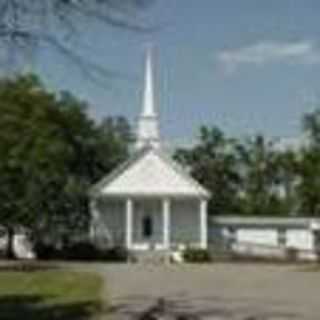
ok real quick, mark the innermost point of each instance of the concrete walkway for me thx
(217, 291)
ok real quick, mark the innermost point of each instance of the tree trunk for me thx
(10, 249)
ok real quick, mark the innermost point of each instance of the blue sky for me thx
(246, 66)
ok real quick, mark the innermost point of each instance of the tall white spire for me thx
(148, 98)
(148, 126)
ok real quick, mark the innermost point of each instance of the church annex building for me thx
(149, 202)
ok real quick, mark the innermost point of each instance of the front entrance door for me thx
(147, 227)
(147, 222)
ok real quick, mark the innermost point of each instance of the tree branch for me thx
(25, 24)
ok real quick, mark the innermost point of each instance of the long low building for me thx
(266, 236)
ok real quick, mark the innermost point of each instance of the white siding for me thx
(303, 240)
(260, 236)
(300, 239)
(265, 240)
(185, 222)
(255, 241)
(110, 224)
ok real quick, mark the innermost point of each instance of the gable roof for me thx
(149, 172)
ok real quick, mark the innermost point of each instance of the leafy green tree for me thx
(311, 128)
(288, 168)
(212, 162)
(50, 153)
(309, 183)
(259, 172)
(309, 166)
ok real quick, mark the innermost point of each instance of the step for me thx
(152, 257)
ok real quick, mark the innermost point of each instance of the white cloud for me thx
(261, 53)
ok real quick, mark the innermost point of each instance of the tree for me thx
(50, 153)
(212, 162)
(25, 25)
(21, 124)
(287, 164)
(309, 166)
(311, 127)
(309, 183)
(259, 172)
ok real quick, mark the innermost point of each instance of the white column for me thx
(203, 224)
(166, 217)
(129, 219)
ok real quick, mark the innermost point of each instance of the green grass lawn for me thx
(52, 294)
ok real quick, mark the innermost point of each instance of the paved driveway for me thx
(218, 291)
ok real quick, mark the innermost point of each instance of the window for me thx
(147, 227)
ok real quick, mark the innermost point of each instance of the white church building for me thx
(149, 202)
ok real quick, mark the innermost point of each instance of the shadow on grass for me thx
(16, 307)
(22, 266)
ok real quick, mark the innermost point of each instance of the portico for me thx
(140, 223)
(155, 229)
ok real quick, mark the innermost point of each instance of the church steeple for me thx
(148, 98)
(148, 126)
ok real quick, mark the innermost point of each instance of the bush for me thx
(196, 255)
(77, 251)
(116, 254)
(81, 251)
(45, 251)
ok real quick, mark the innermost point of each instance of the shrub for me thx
(45, 251)
(196, 255)
(81, 251)
(116, 254)
(89, 252)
